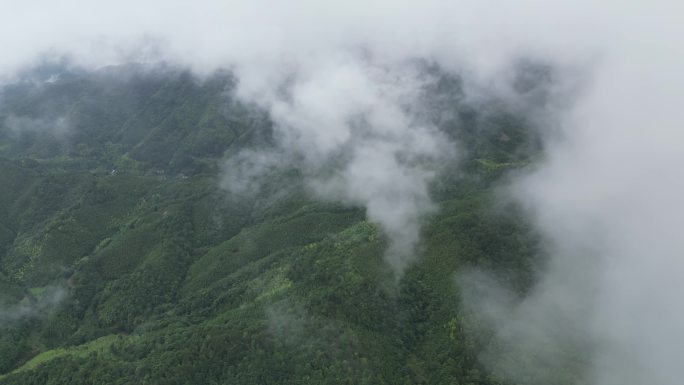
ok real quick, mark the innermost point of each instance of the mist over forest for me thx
(415, 192)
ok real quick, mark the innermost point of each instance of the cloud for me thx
(353, 128)
(33, 306)
(608, 201)
(261, 38)
(18, 125)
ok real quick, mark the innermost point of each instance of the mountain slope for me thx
(124, 261)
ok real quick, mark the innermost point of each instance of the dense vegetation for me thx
(122, 261)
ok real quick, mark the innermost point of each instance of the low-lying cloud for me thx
(32, 306)
(608, 200)
(18, 125)
(354, 128)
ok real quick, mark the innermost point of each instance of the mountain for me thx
(124, 260)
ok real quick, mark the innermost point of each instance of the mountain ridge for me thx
(168, 278)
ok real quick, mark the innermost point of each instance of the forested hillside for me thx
(125, 260)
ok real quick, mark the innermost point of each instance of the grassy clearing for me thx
(99, 346)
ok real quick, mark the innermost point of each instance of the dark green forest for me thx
(123, 259)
